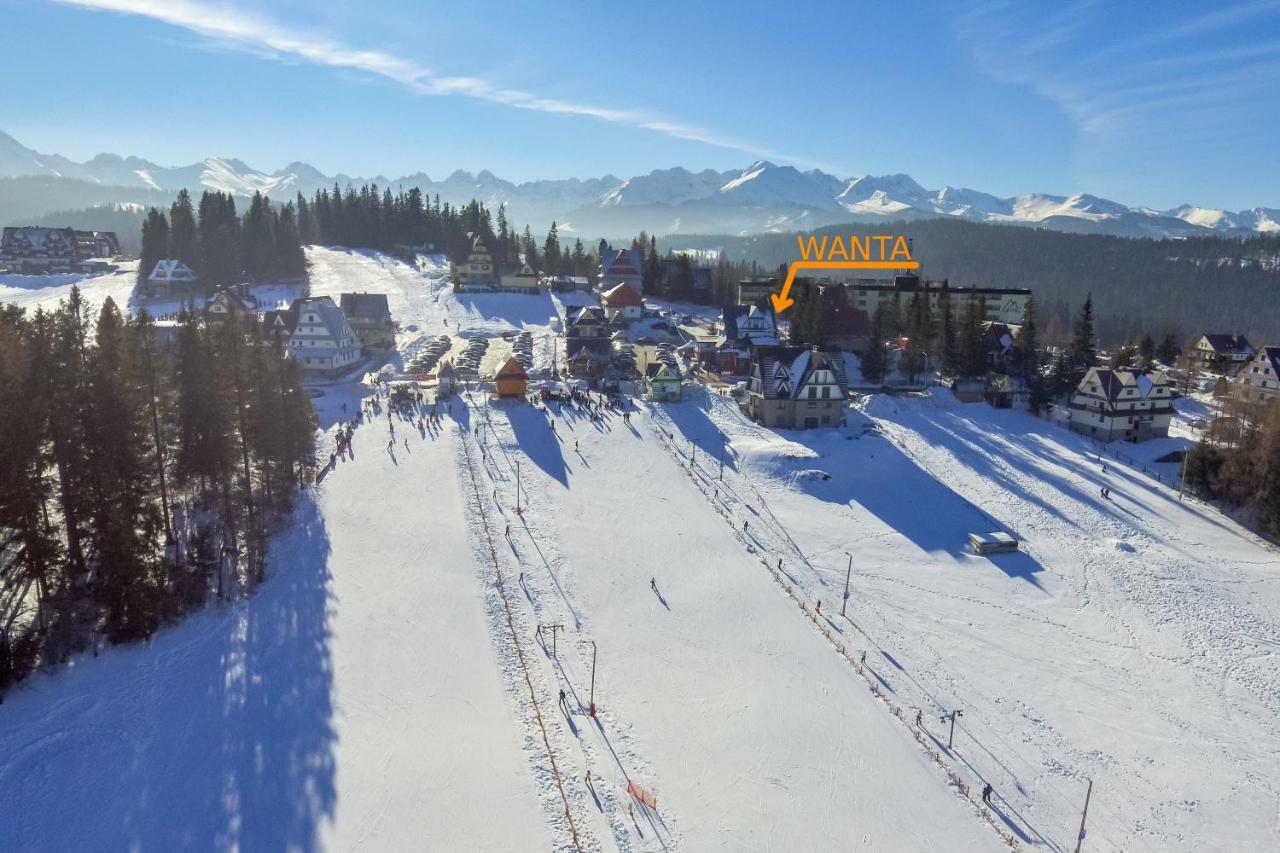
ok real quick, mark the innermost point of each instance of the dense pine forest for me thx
(135, 483)
(219, 246)
(1184, 287)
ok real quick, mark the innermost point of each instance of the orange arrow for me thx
(782, 300)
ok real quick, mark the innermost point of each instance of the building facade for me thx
(34, 249)
(796, 388)
(1110, 405)
(370, 317)
(323, 341)
(621, 266)
(172, 279)
(997, 304)
(1258, 381)
(1223, 354)
(478, 269)
(622, 302)
(752, 291)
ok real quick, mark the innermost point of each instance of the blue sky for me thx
(1145, 103)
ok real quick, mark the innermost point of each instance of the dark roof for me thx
(1112, 383)
(1273, 356)
(280, 320)
(783, 371)
(1229, 343)
(370, 305)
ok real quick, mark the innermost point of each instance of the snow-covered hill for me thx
(386, 688)
(762, 197)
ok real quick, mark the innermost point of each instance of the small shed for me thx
(992, 543)
(446, 378)
(511, 379)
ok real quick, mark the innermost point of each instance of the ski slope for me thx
(1134, 643)
(354, 702)
(389, 687)
(715, 692)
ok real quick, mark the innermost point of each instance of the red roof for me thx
(622, 296)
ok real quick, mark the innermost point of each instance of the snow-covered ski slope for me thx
(1134, 643)
(355, 702)
(382, 691)
(715, 692)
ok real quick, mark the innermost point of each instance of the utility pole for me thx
(721, 457)
(693, 453)
(518, 508)
(593, 678)
(1182, 485)
(553, 629)
(952, 734)
(847, 572)
(1083, 815)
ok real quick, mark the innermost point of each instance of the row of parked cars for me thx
(425, 361)
(522, 350)
(472, 354)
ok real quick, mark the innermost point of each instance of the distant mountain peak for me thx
(761, 197)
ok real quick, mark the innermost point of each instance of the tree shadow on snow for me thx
(217, 736)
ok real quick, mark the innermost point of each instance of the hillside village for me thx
(842, 476)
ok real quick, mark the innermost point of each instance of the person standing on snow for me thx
(986, 793)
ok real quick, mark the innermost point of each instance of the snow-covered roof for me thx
(171, 269)
(622, 296)
(783, 371)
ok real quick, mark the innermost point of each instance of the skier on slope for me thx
(986, 793)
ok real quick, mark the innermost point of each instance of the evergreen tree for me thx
(551, 252)
(1084, 343)
(1168, 350)
(950, 347)
(258, 241)
(1031, 367)
(155, 243)
(1146, 351)
(874, 361)
(973, 355)
(289, 260)
(183, 232)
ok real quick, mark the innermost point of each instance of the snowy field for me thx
(1134, 643)
(388, 687)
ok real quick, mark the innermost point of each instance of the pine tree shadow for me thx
(218, 735)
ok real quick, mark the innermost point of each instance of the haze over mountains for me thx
(762, 197)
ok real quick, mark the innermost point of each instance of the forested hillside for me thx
(1158, 286)
(134, 482)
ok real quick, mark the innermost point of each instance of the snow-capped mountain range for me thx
(762, 197)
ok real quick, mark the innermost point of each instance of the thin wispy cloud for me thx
(1136, 100)
(245, 31)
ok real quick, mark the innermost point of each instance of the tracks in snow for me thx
(514, 640)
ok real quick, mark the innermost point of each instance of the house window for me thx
(826, 392)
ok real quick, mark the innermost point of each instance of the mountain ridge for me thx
(760, 198)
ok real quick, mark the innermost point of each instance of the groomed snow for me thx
(370, 695)
(1132, 642)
